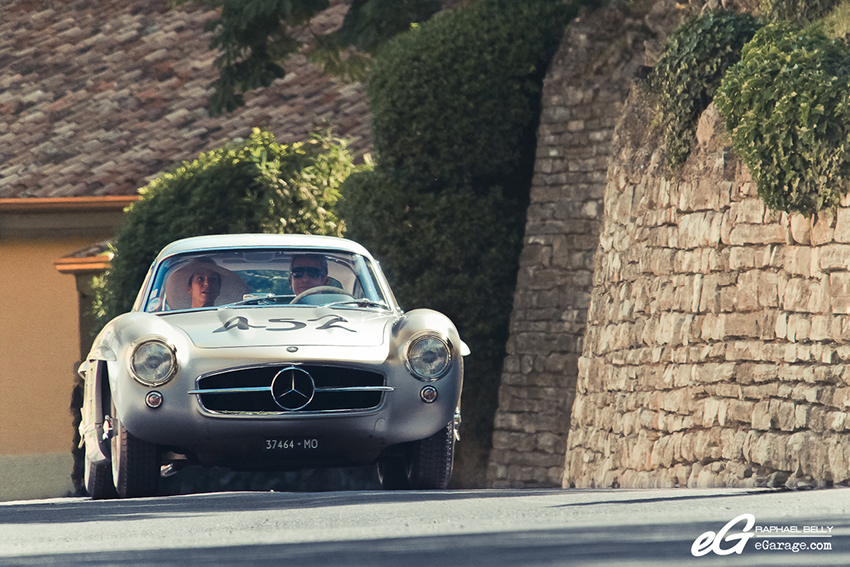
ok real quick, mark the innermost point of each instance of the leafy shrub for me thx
(787, 107)
(797, 11)
(251, 186)
(690, 70)
(456, 104)
(452, 97)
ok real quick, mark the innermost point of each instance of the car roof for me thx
(228, 241)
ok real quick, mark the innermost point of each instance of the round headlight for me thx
(428, 358)
(153, 363)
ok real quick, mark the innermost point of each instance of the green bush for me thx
(452, 98)
(456, 104)
(787, 107)
(690, 70)
(255, 185)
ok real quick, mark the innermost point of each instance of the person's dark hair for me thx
(323, 262)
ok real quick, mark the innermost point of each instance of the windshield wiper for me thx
(359, 303)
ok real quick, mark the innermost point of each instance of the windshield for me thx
(263, 276)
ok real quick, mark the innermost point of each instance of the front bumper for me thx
(183, 425)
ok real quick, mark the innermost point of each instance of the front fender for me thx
(95, 393)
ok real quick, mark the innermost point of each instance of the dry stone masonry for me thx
(583, 95)
(717, 350)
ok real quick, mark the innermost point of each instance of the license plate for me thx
(297, 444)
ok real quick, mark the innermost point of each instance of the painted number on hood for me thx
(327, 322)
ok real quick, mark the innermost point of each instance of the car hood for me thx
(276, 326)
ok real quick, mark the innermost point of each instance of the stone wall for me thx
(583, 94)
(717, 350)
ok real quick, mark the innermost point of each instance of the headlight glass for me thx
(153, 363)
(428, 358)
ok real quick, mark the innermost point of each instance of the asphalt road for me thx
(442, 528)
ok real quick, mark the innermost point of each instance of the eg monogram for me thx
(710, 541)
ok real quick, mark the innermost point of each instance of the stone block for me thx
(797, 295)
(839, 292)
(798, 260)
(834, 257)
(783, 415)
(838, 456)
(837, 421)
(739, 411)
(801, 229)
(741, 325)
(741, 235)
(761, 416)
(823, 229)
(710, 294)
(842, 225)
(747, 290)
(799, 327)
(750, 211)
(713, 327)
(699, 230)
(819, 329)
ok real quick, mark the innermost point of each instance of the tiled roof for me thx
(98, 96)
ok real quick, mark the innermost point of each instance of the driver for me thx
(308, 271)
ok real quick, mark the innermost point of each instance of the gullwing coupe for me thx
(270, 352)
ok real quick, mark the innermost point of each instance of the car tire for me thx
(135, 463)
(98, 480)
(420, 465)
(432, 459)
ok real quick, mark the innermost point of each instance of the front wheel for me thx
(98, 479)
(135, 463)
(420, 465)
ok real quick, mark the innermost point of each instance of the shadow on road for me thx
(86, 510)
(645, 545)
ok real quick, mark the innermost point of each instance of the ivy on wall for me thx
(783, 90)
(787, 107)
(690, 70)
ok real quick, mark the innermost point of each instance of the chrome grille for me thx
(248, 390)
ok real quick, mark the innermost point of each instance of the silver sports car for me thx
(270, 352)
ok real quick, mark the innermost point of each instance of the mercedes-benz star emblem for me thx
(293, 388)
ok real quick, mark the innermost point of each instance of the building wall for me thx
(39, 347)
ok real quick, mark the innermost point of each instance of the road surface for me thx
(440, 528)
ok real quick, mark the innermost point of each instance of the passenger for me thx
(202, 283)
(204, 287)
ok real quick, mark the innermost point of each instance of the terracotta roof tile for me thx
(96, 98)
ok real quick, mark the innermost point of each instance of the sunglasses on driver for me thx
(313, 273)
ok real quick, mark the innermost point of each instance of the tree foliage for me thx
(456, 104)
(255, 185)
(254, 38)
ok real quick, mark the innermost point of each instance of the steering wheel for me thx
(319, 289)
